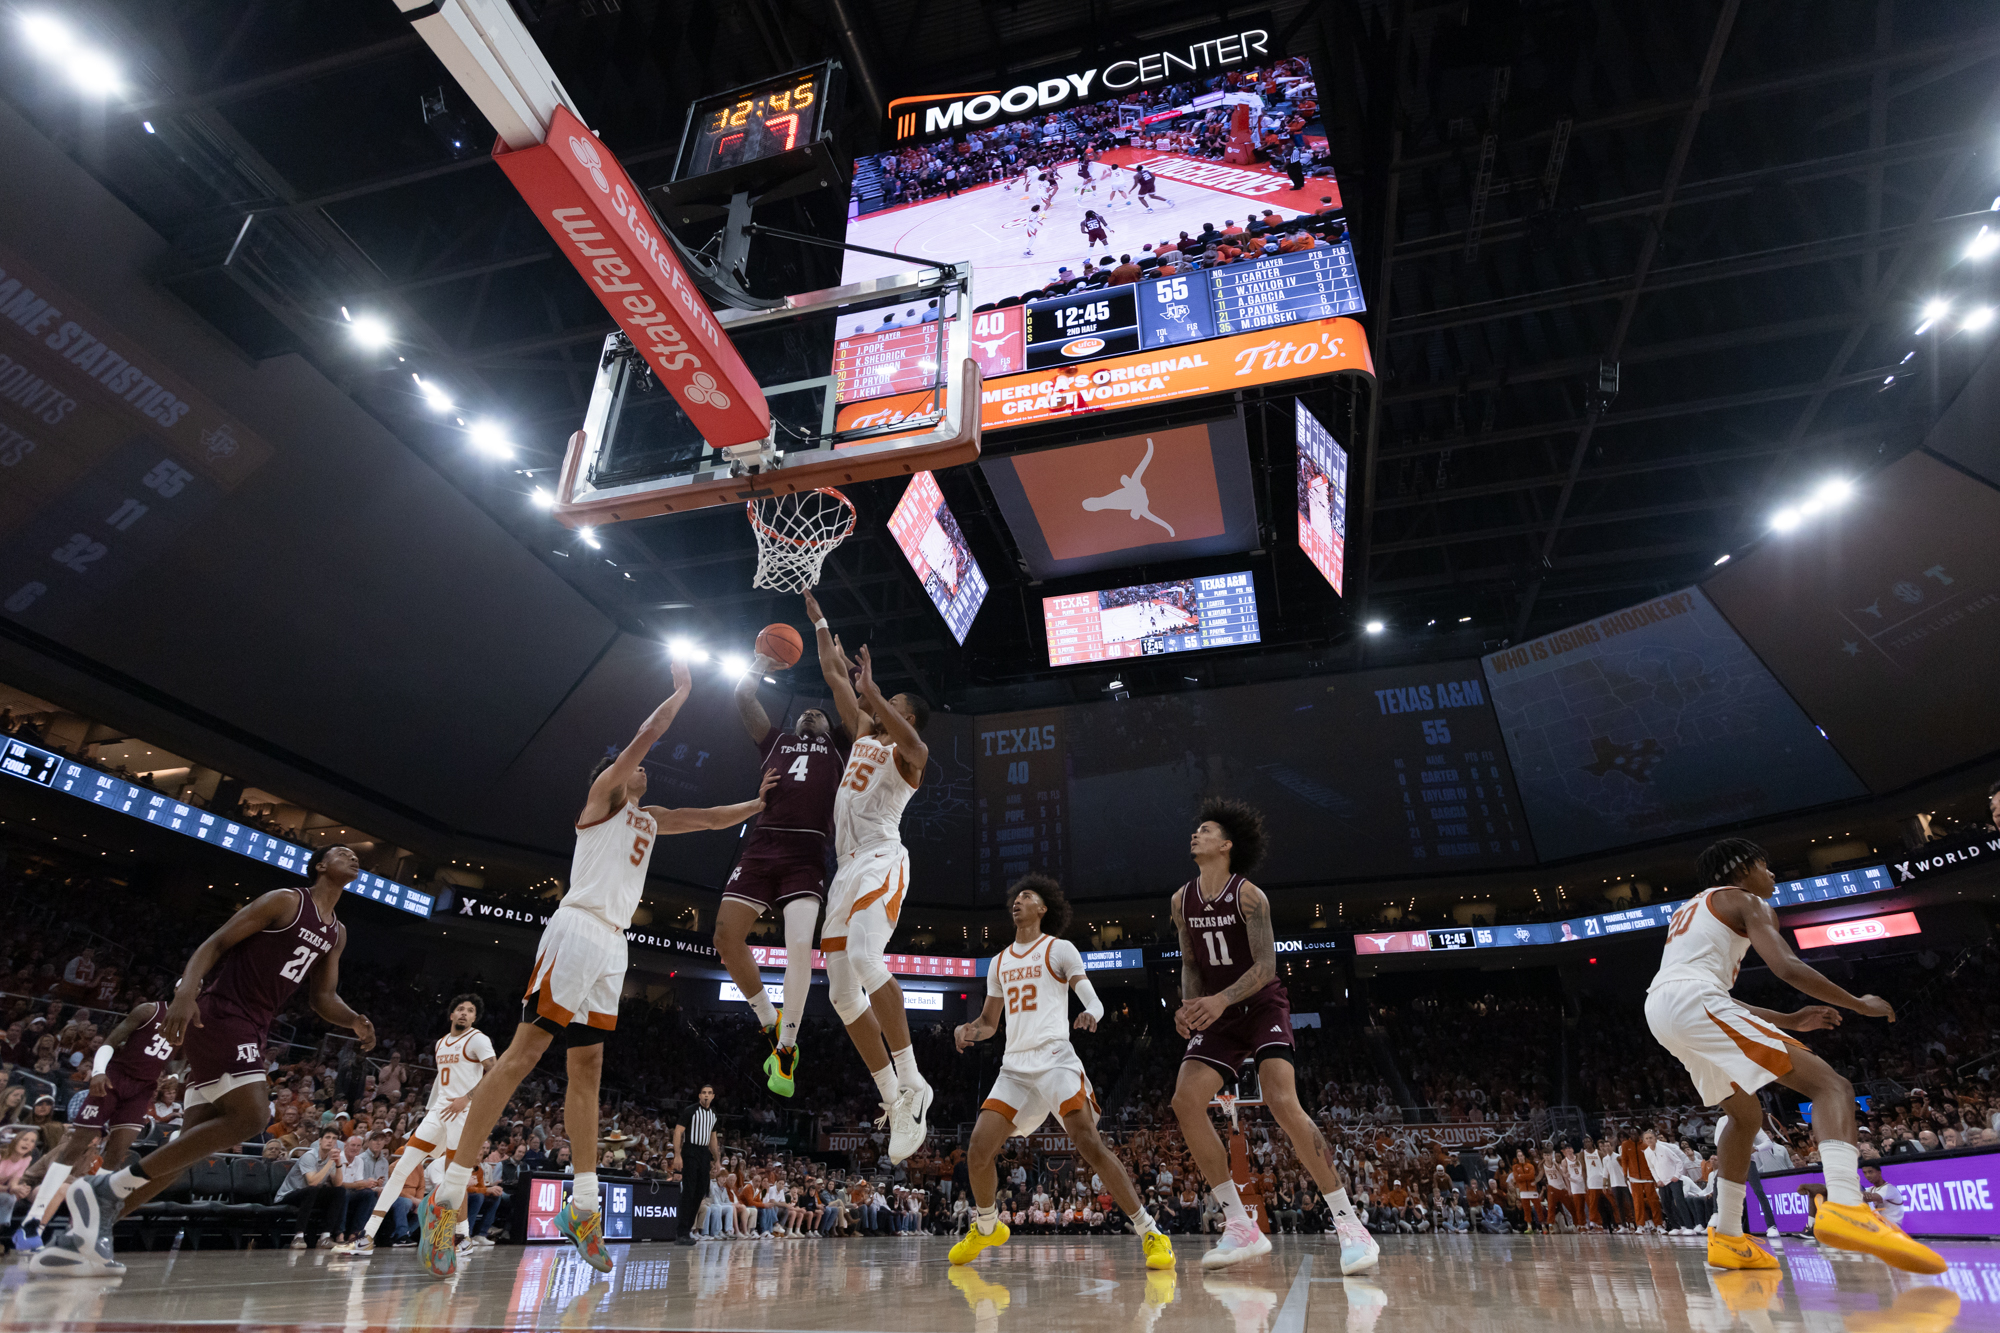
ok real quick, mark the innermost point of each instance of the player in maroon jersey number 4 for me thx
(231, 989)
(1233, 1009)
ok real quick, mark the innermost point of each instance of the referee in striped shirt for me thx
(695, 1138)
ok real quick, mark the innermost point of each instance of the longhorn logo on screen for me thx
(1131, 495)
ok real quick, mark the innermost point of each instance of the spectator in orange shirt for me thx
(1229, 227)
(1271, 218)
(1325, 205)
(1127, 271)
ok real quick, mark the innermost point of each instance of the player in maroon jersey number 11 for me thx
(231, 989)
(1234, 1009)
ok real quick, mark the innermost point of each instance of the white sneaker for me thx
(909, 1121)
(1773, 1233)
(361, 1247)
(299, 1241)
(1240, 1240)
(1358, 1250)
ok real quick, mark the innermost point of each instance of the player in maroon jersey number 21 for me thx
(231, 989)
(1234, 1008)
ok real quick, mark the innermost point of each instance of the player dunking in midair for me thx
(1029, 982)
(230, 991)
(1732, 1049)
(1234, 1008)
(573, 991)
(463, 1056)
(884, 769)
(783, 867)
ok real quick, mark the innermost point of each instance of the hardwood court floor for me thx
(1482, 1284)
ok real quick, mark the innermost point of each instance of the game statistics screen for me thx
(1176, 617)
(33, 764)
(1322, 498)
(929, 537)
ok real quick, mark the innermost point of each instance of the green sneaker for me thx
(780, 1068)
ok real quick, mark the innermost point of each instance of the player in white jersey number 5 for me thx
(573, 990)
(1731, 1049)
(883, 771)
(462, 1056)
(1029, 982)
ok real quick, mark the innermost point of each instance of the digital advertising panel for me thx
(928, 535)
(1322, 497)
(1955, 1194)
(1654, 721)
(1179, 616)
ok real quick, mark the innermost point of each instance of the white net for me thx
(795, 533)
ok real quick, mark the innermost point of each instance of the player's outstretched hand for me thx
(181, 1013)
(683, 681)
(1815, 1016)
(764, 788)
(1874, 1006)
(813, 616)
(1085, 1023)
(865, 687)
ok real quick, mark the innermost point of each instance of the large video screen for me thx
(1654, 721)
(1179, 616)
(1882, 617)
(1388, 772)
(1322, 498)
(1184, 191)
(928, 535)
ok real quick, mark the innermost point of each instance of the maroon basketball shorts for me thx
(1260, 1028)
(225, 1052)
(118, 1108)
(778, 866)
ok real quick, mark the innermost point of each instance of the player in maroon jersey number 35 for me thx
(231, 989)
(1233, 1009)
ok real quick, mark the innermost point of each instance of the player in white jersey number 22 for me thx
(1029, 982)
(462, 1056)
(1732, 1049)
(883, 771)
(573, 990)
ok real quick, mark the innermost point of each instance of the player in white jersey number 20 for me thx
(462, 1056)
(573, 990)
(1732, 1049)
(1029, 982)
(883, 771)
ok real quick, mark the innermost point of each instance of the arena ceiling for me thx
(1742, 207)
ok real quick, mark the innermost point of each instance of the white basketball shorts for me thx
(1724, 1046)
(865, 899)
(579, 972)
(437, 1132)
(1028, 1097)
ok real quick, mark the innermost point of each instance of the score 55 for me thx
(1437, 731)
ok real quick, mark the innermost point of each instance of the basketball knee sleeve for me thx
(844, 988)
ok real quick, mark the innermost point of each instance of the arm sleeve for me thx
(101, 1061)
(1069, 964)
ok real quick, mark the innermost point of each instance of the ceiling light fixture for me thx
(589, 538)
(1982, 245)
(490, 439)
(369, 331)
(1375, 627)
(1935, 309)
(1977, 319)
(1722, 559)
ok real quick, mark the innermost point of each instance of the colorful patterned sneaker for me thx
(1240, 1240)
(974, 1241)
(781, 1067)
(586, 1232)
(1358, 1250)
(1737, 1252)
(437, 1234)
(1159, 1250)
(1848, 1226)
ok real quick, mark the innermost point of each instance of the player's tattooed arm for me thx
(749, 707)
(1263, 969)
(1190, 974)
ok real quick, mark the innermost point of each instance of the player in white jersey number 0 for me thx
(1029, 982)
(884, 769)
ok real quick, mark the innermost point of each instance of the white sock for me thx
(464, 1228)
(585, 1192)
(1841, 1162)
(905, 1063)
(1729, 1206)
(451, 1190)
(374, 1225)
(987, 1218)
(128, 1180)
(1232, 1203)
(52, 1184)
(761, 1003)
(1142, 1222)
(886, 1083)
(1343, 1210)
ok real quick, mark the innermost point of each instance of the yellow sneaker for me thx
(977, 1289)
(1160, 1288)
(1917, 1310)
(1745, 1290)
(1737, 1252)
(1159, 1250)
(1854, 1226)
(968, 1248)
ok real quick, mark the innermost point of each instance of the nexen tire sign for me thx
(599, 219)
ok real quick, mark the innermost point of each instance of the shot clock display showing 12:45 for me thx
(758, 121)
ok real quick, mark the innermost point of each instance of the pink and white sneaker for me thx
(1240, 1240)
(1358, 1250)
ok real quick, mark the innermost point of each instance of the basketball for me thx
(780, 643)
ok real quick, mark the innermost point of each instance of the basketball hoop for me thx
(795, 533)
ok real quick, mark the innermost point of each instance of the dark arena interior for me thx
(608, 606)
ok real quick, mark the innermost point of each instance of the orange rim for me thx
(765, 531)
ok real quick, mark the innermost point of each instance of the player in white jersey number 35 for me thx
(1029, 982)
(573, 991)
(883, 771)
(1732, 1049)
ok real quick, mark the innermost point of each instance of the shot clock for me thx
(755, 122)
